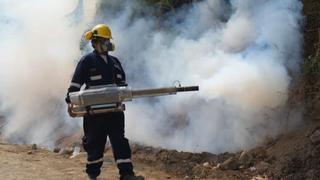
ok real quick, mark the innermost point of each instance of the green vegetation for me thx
(166, 4)
(311, 67)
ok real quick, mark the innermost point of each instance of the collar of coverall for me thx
(104, 56)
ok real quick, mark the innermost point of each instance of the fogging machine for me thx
(105, 99)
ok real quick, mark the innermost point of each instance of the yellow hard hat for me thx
(100, 30)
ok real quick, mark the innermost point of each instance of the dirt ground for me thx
(294, 155)
(23, 162)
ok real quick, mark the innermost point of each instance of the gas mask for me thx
(103, 45)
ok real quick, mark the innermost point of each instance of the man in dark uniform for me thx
(96, 69)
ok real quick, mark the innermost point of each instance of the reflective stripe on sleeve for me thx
(119, 161)
(97, 77)
(77, 85)
(96, 161)
(119, 76)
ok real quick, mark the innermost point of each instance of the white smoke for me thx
(239, 52)
(39, 44)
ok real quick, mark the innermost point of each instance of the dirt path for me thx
(20, 162)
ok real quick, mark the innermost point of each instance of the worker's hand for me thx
(71, 114)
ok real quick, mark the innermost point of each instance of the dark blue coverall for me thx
(95, 70)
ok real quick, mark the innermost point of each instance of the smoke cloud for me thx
(239, 53)
(39, 45)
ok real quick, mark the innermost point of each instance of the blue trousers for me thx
(96, 129)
